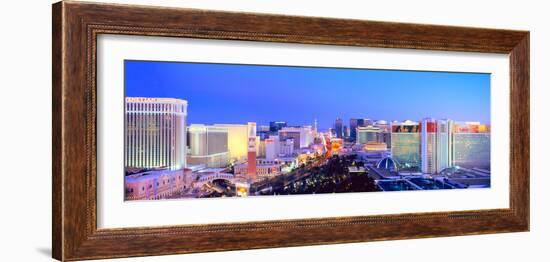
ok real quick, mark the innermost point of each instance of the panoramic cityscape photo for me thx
(207, 130)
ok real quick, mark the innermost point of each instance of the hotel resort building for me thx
(155, 133)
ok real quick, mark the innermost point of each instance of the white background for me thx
(25, 136)
(114, 212)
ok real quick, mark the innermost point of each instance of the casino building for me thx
(436, 145)
(237, 141)
(432, 146)
(302, 136)
(155, 135)
(208, 146)
(405, 144)
(471, 145)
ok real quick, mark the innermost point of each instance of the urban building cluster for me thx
(165, 157)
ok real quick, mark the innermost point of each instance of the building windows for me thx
(152, 138)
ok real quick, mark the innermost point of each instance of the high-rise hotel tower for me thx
(405, 144)
(207, 145)
(155, 135)
(472, 145)
(436, 145)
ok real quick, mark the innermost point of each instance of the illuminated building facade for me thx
(436, 145)
(428, 145)
(208, 146)
(286, 147)
(260, 147)
(336, 144)
(368, 134)
(237, 141)
(451, 144)
(374, 146)
(302, 136)
(444, 148)
(306, 137)
(293, 133)
(155, 133)
(472, 146)
(242, 189)
(272, 146)
(405, 145)
(471, 127)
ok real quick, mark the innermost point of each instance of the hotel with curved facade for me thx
(208, 145)
(430, 146)
(405, 144)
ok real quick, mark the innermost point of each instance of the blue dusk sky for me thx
(230, 93)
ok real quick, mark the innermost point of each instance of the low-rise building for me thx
(157, 184)
(262, 169)
(375, 146)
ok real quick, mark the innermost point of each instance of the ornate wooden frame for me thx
(76, 26)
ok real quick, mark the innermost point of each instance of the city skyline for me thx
(196, 130)
(376, 93)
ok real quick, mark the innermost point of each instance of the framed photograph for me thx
(182, 130)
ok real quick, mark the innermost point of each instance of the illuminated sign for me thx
(155, 100)
(406, 128)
